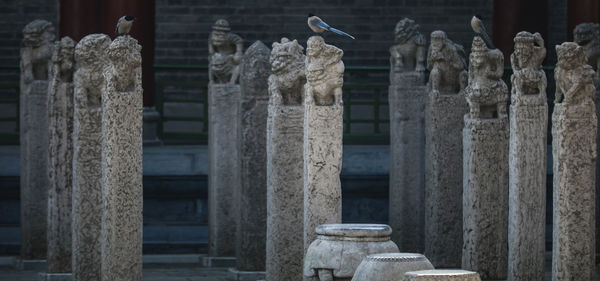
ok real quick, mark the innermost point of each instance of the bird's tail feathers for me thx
(340, 32)
(488, 40)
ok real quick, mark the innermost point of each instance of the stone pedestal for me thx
(444, 184)
(323, 130)
(87, 156)
(442, 275)
(121, 235)
(60, 158)
(485, 196)
(34, 165)
(35, 66)
(573, 149)
(527, 189)
(285, 192)
(407, 156)
(251, 197)
(224, 167)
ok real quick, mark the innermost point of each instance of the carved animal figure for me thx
(587, 35)
(288, 78)
(409, 52)
(574, 77)
(324, 71)
(90, 55)
(230, 48)
(38, 38)
(447, 63)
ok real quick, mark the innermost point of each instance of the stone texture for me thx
(38, 38)
(60, 156)
(407, 137)
(442, 275)
(224, 167)
(485, 165)
(90, 58)
(121, 235)
(285, 136)
(527, 160)
(390, 266)
(340, 248)
(574, 129)
(224, 54)
(251, 198)
(323, 131)
(445, 108)
(587, 35)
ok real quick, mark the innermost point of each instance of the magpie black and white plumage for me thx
(124, 25)
(318, 25)
(479, 28)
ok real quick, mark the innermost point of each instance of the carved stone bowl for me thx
(390, 266)
(442, 275)
(339, 249)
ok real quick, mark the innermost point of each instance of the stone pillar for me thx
(90, 57)
(251, 198)
(38, 38)
(225, 53)
(407, 137)
(446, 106)
(485, 165)
(587, 35)
(527, 160)
(121, 235)
(285, 136)
(60, 156)
(323, 130)
(574, 128)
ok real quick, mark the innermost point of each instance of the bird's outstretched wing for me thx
(340, 32)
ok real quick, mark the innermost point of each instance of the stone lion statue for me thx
(409, 52)
(288, 78)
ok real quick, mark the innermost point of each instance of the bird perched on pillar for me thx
(479, 28)
(318, 25)
(124, 25)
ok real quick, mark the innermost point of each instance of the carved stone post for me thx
(407, 137)
(485, 165)
(285, 136)
(90, 55)
(60, 156)
(38, 38)
(527, 160)
(445, 108)
(587, 35)
(574, 126)
(121, 235)
(323, 130)
(225, 53)
(251, 197)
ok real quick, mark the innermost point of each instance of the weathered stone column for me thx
(527, 160)
(121, 235)
(38, 38)
(445, 108)
(407, 137)
(485, 165)
(587, 35)
(251, 197)
(225, 53)
(91, 59)
(574, 127)
(285, 136)
(60, 156)
(323, 131)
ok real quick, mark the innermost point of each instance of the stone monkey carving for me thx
(324, 72)
(447, 63)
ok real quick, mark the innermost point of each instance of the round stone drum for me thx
(390, 266)
(340, 248)
(442, 275)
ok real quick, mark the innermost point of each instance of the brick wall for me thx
(183, 25)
